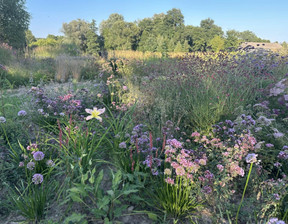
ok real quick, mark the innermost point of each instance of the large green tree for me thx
(14, 21)
(118, 34)
(83, 34)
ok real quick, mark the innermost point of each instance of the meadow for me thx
(143, 138)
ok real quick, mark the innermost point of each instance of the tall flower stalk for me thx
(250, 158)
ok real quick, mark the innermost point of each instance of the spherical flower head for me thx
(62, 114)
(30, 166)
(95, 113)
(167, 171)
(251, 158)
(202, 162)
(2, 120)
(21, 164)
(22, 113)
(275, 221)
(37, 178)
(50, 163)
(122, 145)
(38, 156)
(125, 88)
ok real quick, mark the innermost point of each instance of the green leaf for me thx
(106, 221)
(98, 181)
(110, 192)
(116, 179)
(103, 202)
(152, 216)
(92, 178)
(75, 218)
(129, 192)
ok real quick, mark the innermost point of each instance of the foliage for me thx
(83, 34)
(14, 21)
(106, 205)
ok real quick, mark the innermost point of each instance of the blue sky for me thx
(266, 18)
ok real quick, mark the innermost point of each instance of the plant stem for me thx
(243, 192)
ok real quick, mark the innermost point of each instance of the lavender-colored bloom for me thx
(278, 135)
(40, 111)
(283, 155)
(269, 145)
(122, 145)
(275, 221)
(21, 164)
(37, 178)
(62, 114)
(174, 142)
(50, 163)
(22, 113)
(207, 189)
(2, 120)
(286, 97)
(277, 164)
(38, 156)
(30, 166)
(251, 158)
(277, 197)
(220, 167)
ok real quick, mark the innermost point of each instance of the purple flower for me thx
(38, 156)
(275, 221)
(220, 167)
(30, 166)
(283, 155)
(207, 189)
(2, 120)
(251, 158)
(277, 197)
(174, 142)
(277, 164)
(37, 178)
(21, 164)
(50, 163)
(269, 145)
(122, 145)
(22, 113)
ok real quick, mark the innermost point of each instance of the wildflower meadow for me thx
(195, 138)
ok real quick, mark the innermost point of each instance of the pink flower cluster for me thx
(66, 97)
(181, 161)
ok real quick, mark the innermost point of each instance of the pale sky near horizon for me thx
(266, 18)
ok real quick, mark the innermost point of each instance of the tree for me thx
(217, 44)
(211, 30)
(30, 38)
(174, 18)
(83, 34)
(232, 40)
(14, 21)
(178, 47)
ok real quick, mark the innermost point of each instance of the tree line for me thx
(164, 32)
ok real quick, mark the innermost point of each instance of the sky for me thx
(268, 19)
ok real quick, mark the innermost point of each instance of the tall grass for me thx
(198, 90)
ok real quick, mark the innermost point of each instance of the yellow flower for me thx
(95, 113)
